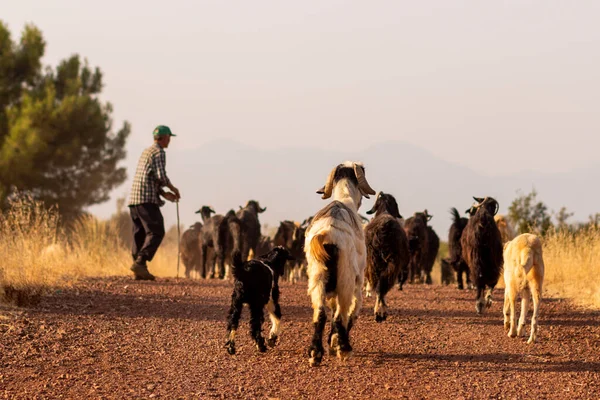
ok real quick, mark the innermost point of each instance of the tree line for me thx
(57, 142)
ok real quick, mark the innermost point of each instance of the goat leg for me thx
(235, 312)
(316, 350)
(275, 316)
(256, 320)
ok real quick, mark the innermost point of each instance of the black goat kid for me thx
(256, 283)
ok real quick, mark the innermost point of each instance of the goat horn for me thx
(328, 188)
(363, 185)
(497, 208)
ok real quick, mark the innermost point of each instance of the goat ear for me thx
(262, 210)
(321, 191)
(429, 217)
(198, 212)
(372, 210)
(478, 199)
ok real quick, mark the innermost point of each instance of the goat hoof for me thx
(506, 326)
(479, 308)
(512, 334)
(380, 317)
(520, 331)
(230, 346)
(315, 358)
(344, 355)
(272, 341)
(261, 347)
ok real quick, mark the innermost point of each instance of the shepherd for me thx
(145, 202)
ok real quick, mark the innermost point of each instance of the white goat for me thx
(524, 274)
(336, 255)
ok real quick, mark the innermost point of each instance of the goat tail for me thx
(237, 267)
(455, 214)
(317, 249)
(526, 256)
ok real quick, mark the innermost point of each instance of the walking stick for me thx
(178, 237)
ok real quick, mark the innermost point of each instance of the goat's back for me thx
(255, 277)
(386, 244)
(523, 258)
(338, 226)
(416, 232)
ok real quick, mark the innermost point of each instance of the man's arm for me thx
(159, 164)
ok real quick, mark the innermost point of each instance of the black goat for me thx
(482, 250)
(249, 217)
(291, 235)
(387, 250)
(455, 258)
(256, 283)
(221, 235)
(189, 249)
(299, 264)
(265, 245)
(285, 234)
(416, 231)
(433, 246)
(447, 272)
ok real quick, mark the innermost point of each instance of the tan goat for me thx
(506, 231)
(523, 274)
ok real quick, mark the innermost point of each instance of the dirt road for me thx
(117, 338)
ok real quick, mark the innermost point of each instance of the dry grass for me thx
(36, 255)
(572, 264)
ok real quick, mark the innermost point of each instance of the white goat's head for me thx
(352, 171)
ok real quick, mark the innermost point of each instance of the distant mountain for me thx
(225, 174)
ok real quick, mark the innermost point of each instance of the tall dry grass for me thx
(37, 255)
(572, 262)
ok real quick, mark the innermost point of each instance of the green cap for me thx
(162, 130)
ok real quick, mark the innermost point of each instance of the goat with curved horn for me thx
(336, 255)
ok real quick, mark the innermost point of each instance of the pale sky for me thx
(498, 86)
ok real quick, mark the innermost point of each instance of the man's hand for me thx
(175, 191)
(172, 197)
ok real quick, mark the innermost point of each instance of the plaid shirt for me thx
(150, 177)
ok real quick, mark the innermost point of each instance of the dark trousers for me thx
(148, 230)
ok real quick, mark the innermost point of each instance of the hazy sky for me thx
(498, 86)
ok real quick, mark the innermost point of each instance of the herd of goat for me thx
(337, 249)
